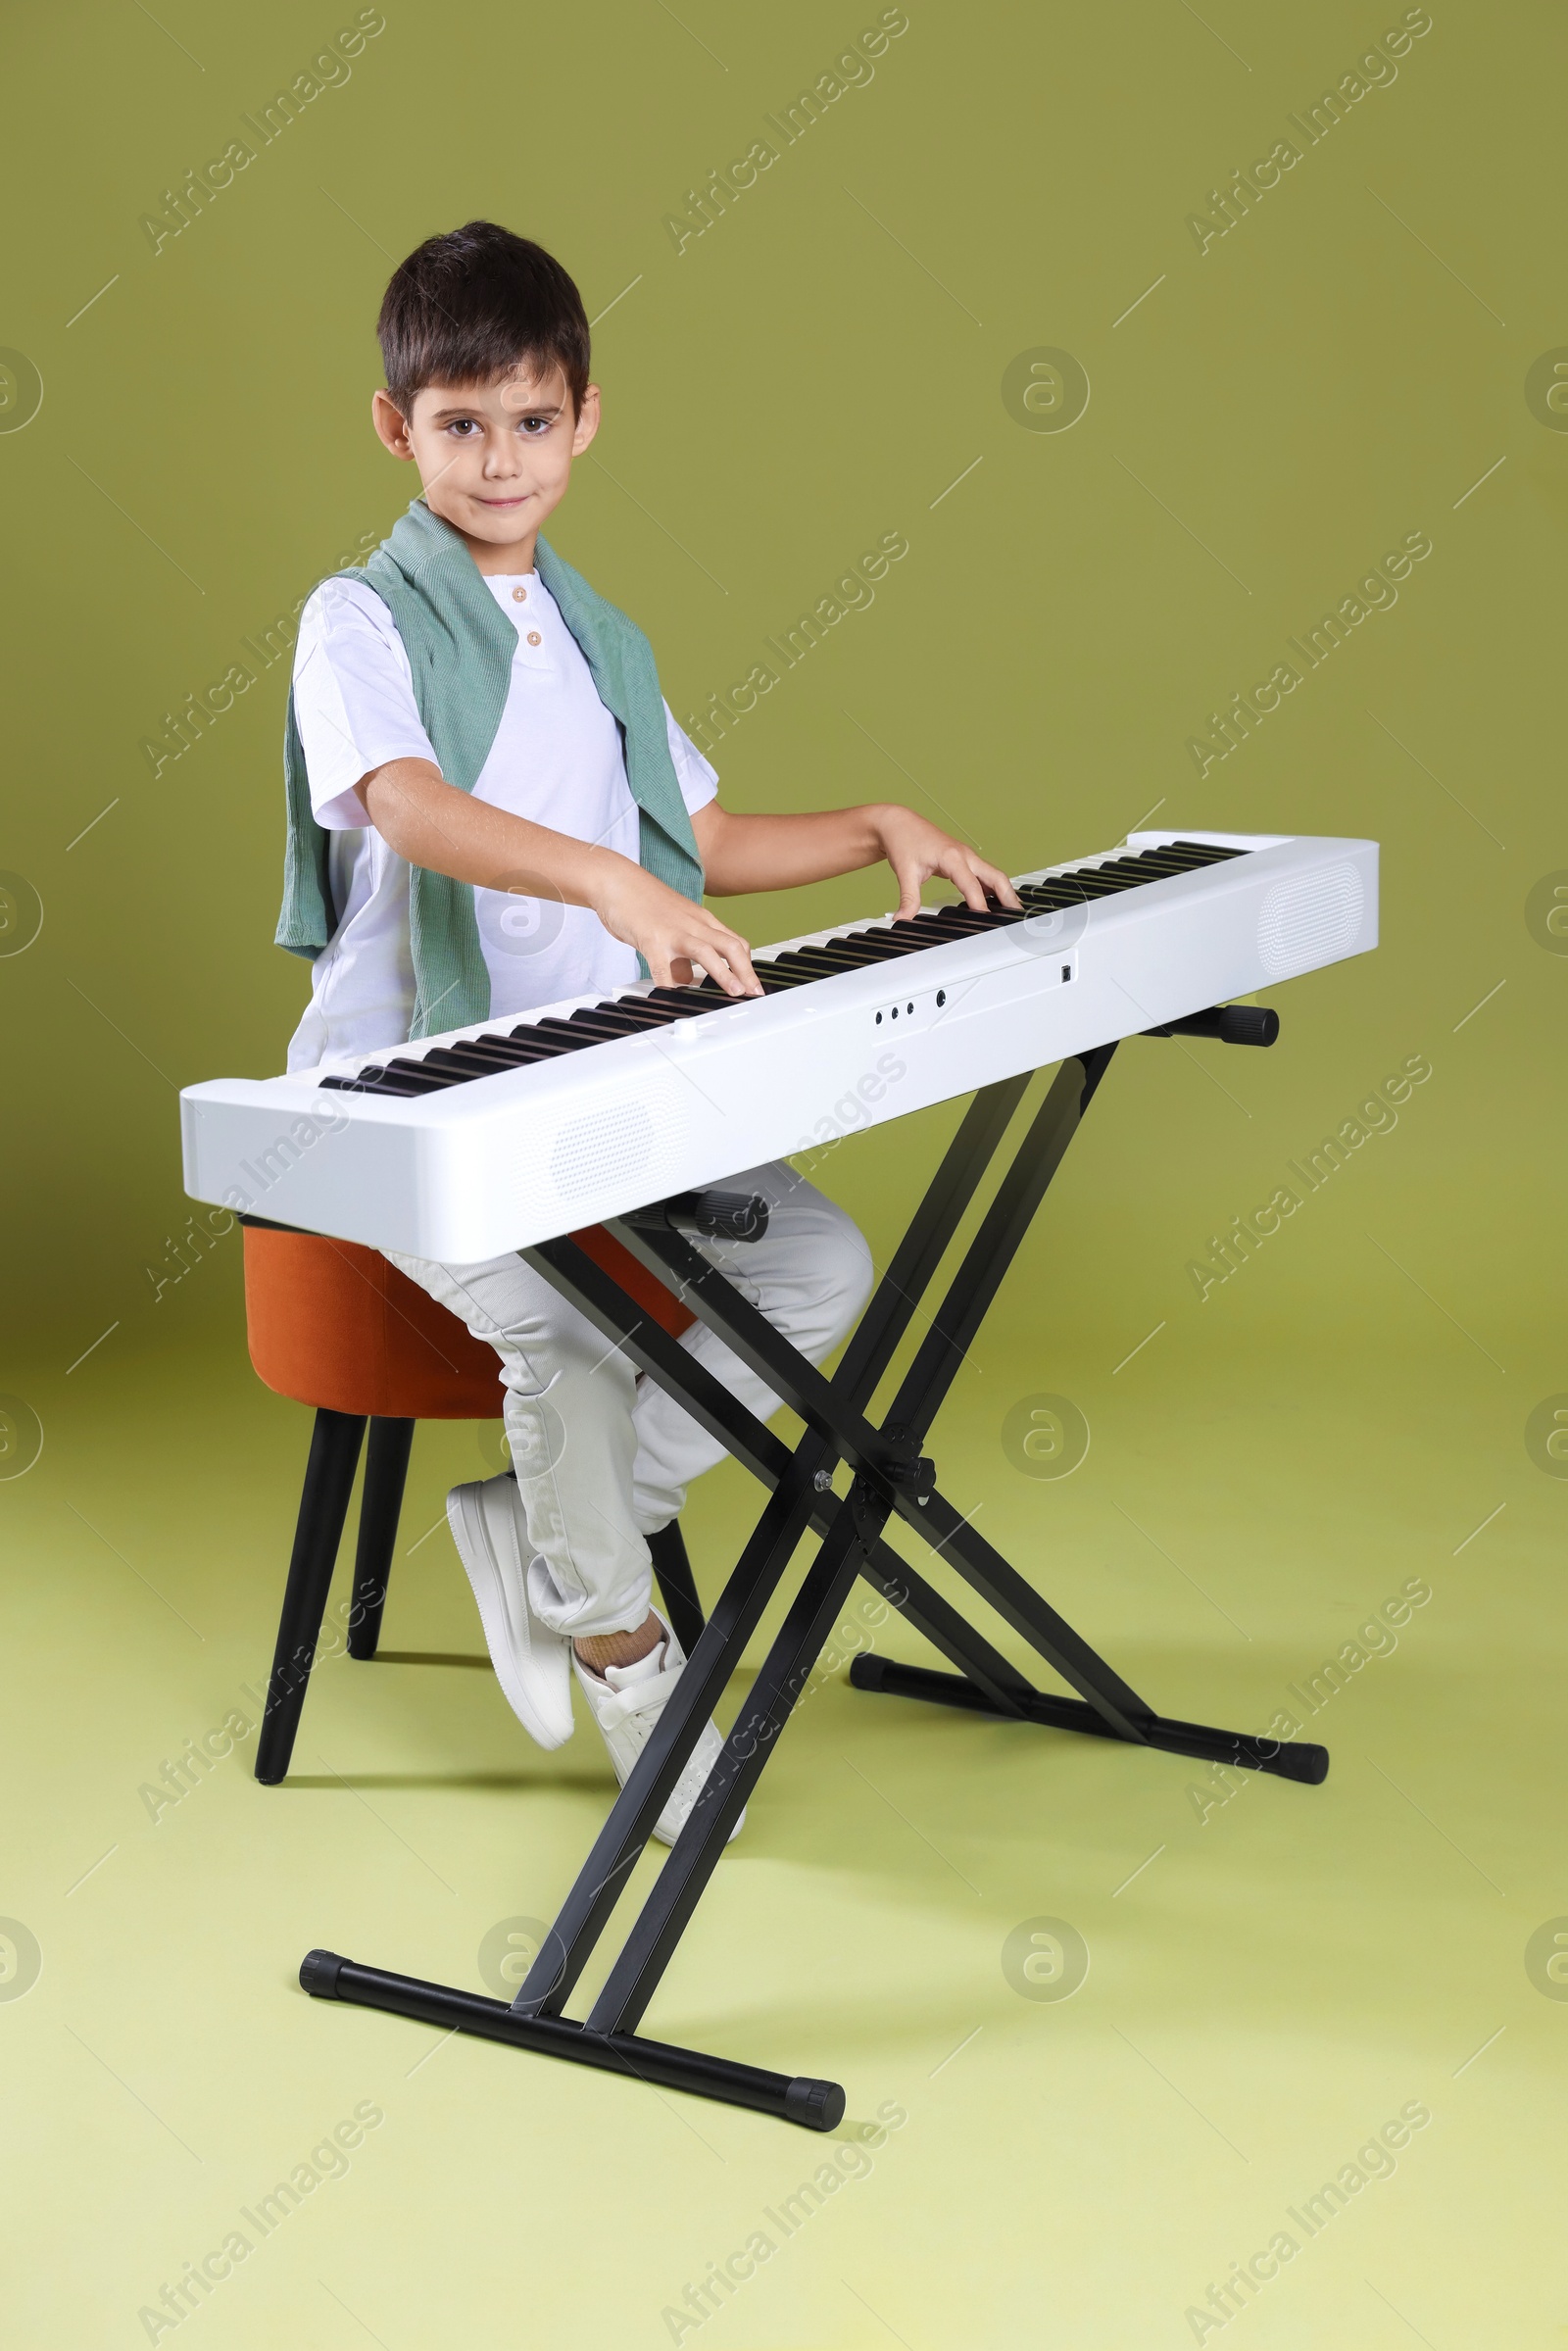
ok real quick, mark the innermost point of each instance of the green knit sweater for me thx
(460, 646)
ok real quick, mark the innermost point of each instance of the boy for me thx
(491, 809)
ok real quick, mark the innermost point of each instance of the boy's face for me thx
(494, 459)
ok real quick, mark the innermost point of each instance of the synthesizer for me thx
(497, 1136)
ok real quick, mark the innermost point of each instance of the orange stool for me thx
(335, 1326)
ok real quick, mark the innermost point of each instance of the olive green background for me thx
(825, 364)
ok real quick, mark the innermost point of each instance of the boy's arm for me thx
(431, 823)
(742, 854)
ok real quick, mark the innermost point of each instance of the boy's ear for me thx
(587, 421)
(391, 427)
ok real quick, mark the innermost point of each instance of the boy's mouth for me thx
(505, 504)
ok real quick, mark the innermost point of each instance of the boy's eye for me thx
(464, 426)
(534, 427)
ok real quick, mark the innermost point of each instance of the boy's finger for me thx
(997, 882)
(720, 955)
(740, 960)
(960, 872)
(736, 975)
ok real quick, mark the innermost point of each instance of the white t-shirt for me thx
(556, 758)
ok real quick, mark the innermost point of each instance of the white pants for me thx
(602, 1458)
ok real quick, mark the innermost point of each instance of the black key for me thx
(939, 926)
(911, 931)
(823, 962)
(816, 958)
(563, 1035)
(1202, 852)
(1086, 882)
(1088, 885)
(405, 1079)
(1091, 873)
(802, 964)
(427, 1069)
(798, 963)
(517, 1049)
(842, 954)
(909, 936)
(549, 1042)
(786, 972)
(859, 947)
(1189, 859)
(449, 1061)
(701, 995)
(877, 946)
(598, 1024)
(890, 943)
(685, 999)
(966, 922)
(961, 922)
(950, 922)
(445, 1065)
(482, 1061)
(627, 1018)
(401, 1087)
(604, 1027)
(497, 1052)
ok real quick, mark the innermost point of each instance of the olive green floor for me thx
(1275, 1973)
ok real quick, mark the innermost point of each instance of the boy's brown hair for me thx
(468, 306)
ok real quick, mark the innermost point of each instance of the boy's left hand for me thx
(917, 851)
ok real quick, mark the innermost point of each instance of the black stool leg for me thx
(676, 1583)
(386, 1465)
(335, 1443)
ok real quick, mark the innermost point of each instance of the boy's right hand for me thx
(669, 933)
(429, 822)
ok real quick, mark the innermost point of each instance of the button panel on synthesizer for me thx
(912, 1011)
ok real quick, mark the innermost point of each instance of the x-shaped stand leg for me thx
(889, 1475)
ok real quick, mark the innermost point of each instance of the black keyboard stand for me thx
(891, 1478)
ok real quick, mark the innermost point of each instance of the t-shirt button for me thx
(534, 638)
(519, 595)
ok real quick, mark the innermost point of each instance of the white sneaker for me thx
(626, 1702)
(530, 1661)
